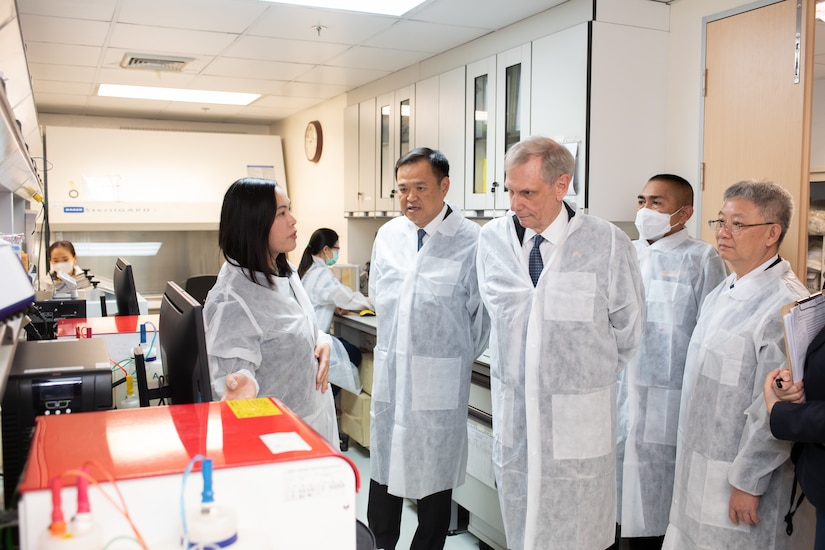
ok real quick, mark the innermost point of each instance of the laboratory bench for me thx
(478, 494)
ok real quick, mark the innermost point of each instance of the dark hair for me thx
(319, 239)
(247, 215)
(438, 162)
(683, 188)
(61, 244)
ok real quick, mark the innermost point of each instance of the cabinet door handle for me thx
(493, 187)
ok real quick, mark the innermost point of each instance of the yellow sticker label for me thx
(253, 408)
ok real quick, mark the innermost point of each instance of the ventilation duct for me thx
(155, 63)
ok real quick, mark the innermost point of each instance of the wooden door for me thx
(757, 122)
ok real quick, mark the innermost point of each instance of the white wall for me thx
(316, 189)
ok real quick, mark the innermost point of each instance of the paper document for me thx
(802, 320)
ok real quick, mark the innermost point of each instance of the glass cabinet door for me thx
(512, 111)
(385, 185)
(498, 116)
(480, 134)
(395, 130)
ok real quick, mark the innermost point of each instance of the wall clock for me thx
(313, 141)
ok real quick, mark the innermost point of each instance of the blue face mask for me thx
(331, 261)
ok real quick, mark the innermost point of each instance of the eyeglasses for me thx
(733, 227)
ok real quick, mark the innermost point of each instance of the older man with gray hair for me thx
(733, 478)
(566, 301)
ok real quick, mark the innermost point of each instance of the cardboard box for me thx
(355, 416)
(365, 371)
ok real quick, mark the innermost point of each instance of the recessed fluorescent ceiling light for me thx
(383, 7)
(176, 94)
(117, 249)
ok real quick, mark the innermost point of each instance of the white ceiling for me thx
(73, 46)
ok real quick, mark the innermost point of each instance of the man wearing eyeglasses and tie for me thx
(733, 478)
(431, 327)
(565, 296)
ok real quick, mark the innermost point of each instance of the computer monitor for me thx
(183, 347)
(125, 292)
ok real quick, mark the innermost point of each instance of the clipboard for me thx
(802, 320)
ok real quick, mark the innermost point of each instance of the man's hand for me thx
(743, 507)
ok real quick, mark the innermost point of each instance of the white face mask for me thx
(652, 224)
(63, 267)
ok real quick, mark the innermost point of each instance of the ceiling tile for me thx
(205, 15)
(279, 49)
(63, 54)
(311, 89)
(343, 76)
(161, 79)
(243, 85)
(96, 10)
(48, 71)
(57, 87)
(384, 59)
(296, 23)
(486, 14)
(55, 30)
(424, 37)
(241, 68)
(169, 41)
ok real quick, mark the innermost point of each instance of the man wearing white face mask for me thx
(678, 272)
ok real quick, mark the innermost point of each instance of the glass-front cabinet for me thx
(394, 129)
(498, 116)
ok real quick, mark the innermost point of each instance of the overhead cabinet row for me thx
(592, 86)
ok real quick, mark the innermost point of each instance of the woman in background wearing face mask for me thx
(678, 272)
(329, 295)
(62, 259)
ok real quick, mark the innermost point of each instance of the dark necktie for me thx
(421, 234)
(536, 264)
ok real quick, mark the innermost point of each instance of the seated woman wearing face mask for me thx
(62, 259)
(327, 295)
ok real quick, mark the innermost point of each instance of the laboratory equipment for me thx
(51, 378)
(183, 346)
(125, 291)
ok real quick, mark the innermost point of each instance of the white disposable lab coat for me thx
(555, 352)
(326, 293)
(678, 272)
(431, 327)
(724, 436)
(271, 333)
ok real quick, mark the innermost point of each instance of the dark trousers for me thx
(819, 543)
(384, 517)
(637, 543)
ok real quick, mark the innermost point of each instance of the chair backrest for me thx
(199, 285)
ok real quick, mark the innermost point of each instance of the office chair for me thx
(199, 285)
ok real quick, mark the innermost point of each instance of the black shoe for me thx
(344, 442)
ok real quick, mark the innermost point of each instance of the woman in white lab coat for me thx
(261, 333)
(62, 259)
(328, 294)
